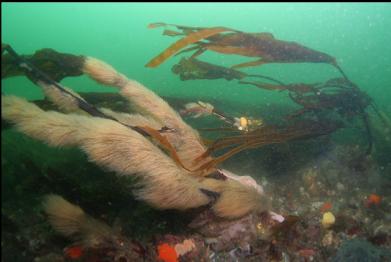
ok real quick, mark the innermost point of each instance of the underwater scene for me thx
(196, 132)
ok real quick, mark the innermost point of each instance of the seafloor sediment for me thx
(304, 179)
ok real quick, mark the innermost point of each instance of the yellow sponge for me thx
(328, 220)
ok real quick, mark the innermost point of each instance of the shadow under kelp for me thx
(280, 159)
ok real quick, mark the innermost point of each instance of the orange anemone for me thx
(373, 200)
(167, 253)
(74, 252)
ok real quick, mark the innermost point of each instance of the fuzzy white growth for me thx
(102, 72)
(63, 216)
(113, 146)
(132, 119)
(70, 220)
(165, 185)
(64, 101)
(236, 200)
(69, 104)
(110, 144)
(51, 127)
(187, 141)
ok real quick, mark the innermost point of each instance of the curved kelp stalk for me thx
(365, 119)
(382, 116)
(165, 144)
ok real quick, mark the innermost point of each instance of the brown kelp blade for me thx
(192, 48)
(185, 41)
(165, 145)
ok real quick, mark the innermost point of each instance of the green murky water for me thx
(357, 35)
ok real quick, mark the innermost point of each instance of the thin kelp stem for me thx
(163, 142)
(268, 78)
(383, 117)
(219, 129)
(228, 119)
(254, 144)
(229, 142)
(341, 71)
(365, 120)
(263, 136)
(214, 162)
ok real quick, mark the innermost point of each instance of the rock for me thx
(331, 239)
(340, 186)
(360, 250)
